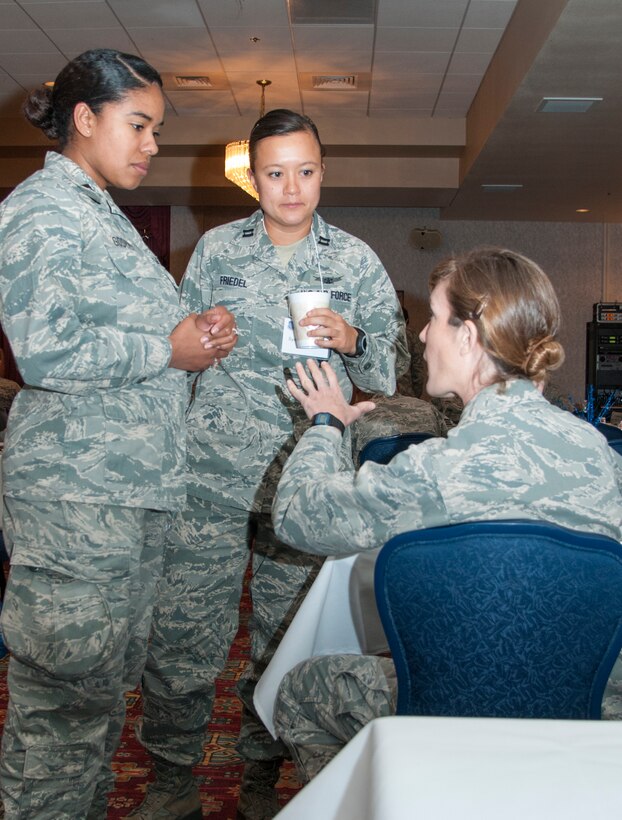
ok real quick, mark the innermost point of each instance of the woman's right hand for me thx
(319, 392)
(188, 350)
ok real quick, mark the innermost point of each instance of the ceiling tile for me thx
(399, 112)
(203, 103)
(334, 99)
(454, 101)
(39, 2)
(399, 63)
(14, 17)
(421, 13)
(394, 38)
(157, 13)
(233, 41)
(462, 83)
(45, 65)
(489, 13)
(449, 113)
(25, 41)
(405, 84)
(415, 99)
(244, 12)
(335, 62)
(74, 41)
(282, 93)
(68, 15)
(177, 49)
(311, 39)
(479, 39)
(469, 63)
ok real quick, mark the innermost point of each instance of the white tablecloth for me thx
(338, 615)
(398, 768)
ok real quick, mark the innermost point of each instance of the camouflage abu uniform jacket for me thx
(243, 423)
(512, 455)
(88, 309)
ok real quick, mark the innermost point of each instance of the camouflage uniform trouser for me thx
(196, 618)
(323, 702)
(76, 619)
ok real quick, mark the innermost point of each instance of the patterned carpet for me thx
(221, 770)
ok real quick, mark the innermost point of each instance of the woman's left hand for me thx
(220, 331)
(320, 393)
(333, 331)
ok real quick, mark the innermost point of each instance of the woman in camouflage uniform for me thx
(241, 427)
(491, 340)
(94, 452)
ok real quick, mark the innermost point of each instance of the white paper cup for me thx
(300, 303)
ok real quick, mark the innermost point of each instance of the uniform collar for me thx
(63, 165)
(512, 391)
(254, 232)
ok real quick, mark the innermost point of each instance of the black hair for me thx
(278, 123)
(96, 77)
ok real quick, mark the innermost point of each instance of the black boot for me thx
(173, 795)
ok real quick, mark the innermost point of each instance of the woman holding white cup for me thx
(242, 426)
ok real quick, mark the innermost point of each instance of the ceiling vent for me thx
(566, 105)
(312, 81)
(331, 12)
(335, 82)
(192, 82)
(180, 81)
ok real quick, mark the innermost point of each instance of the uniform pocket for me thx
(57, 623)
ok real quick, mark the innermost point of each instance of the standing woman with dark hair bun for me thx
(94, 453)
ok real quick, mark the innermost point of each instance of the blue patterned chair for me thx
(616, 444)
(610, 432)
(501, 619)
(384, 448)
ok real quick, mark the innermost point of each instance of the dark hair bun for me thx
(39, 112)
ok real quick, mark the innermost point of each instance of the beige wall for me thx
(583, 261)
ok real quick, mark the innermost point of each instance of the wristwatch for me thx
(361, 343)
(328, 420)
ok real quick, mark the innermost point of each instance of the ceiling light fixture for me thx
(507, 188)
(237, 163)
(566, 105)
(583, 210)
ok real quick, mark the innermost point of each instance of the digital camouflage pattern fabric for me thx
(513, 455)
(87, 309)
(395, 415)
(242, 426)
(243, 422)
(93, 460)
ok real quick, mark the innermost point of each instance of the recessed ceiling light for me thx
(499, 189)
(566, 105)
(583, 210)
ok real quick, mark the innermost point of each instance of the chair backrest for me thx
(610, 432)
(501, 619)
(616, 444)
(384, 448)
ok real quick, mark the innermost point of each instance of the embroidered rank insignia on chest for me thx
(322, 240)
(248, 232)
(120, 242)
